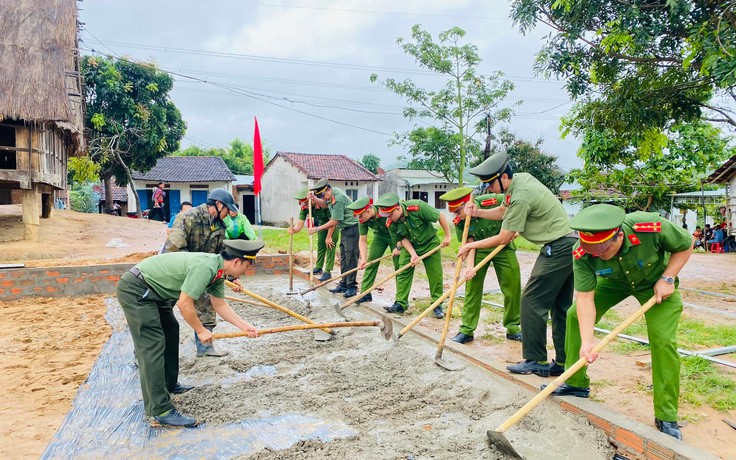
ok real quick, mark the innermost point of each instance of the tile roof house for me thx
(184, 178)
(287, 172)
(419, 184)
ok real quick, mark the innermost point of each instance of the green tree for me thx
(643, 176)
(465, 97)
(238, 156)
(83, 169)
(437, 149)
(370, 162)
(528, 157)
(131, 120)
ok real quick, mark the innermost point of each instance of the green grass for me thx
(701, 382)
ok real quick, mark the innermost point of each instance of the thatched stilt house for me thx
(41, 118)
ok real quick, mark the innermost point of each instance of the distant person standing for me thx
(185, 206)
(157, 212)
(238, 227)
(325, 253)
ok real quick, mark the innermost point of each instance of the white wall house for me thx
(417, 184)
(185, 179)
(726, 176)
(287, 172)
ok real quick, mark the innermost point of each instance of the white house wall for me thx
(183, 187)
(279, 183)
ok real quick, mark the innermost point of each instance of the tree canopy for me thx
(457, 106)
(528, 157)
(370, 162)
(238, 156)
(130, 119)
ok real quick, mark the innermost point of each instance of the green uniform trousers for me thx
(508, 273)
(377, 249)
(662, 321)
(433, 267)
(325, 255)
(547, 293)
(155, 333)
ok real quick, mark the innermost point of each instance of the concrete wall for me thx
(183, 187)
(69, 281)
(280, 183)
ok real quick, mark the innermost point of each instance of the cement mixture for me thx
(382, 399)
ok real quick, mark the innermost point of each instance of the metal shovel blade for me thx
(338, 309)
(387, 329)
(449, 364)
(498, 440)
(321, 336)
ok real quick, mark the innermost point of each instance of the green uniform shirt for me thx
(642, 259)
(338, 206)
(241, 224)
(377, 224)
(321, 215)
(533, 211)
(196, 231)
(415, 224)
(481, 229)
(190, 272)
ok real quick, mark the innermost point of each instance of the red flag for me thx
(257, 160)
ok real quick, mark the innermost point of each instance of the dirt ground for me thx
(43, 371)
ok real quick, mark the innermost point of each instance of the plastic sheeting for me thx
(107, 420)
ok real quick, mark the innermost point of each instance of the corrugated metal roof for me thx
(188, 169)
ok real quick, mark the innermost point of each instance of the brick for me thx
(81, 279)
(112, 277)
(2, 291)
(631, 440)
(18, 274)
(656, 451)
(603, 424)
(26, 283)
(104, 272)
(37, 289)
(16, 291)
(51, 289)
(62, 280)
(7, 283)
(53, 274)
(2, 275)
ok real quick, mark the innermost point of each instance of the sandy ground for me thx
(44, 371)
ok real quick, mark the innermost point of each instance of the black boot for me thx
(669, 428)
(395, 308)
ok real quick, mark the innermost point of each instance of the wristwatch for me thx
(667, 279)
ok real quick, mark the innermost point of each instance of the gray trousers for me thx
(349, 255)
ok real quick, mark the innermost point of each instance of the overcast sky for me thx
(302, 67)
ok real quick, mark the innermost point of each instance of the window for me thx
(352, 193)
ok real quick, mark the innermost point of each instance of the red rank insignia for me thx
(217, 276)
(578, 253)
(634, 240)
(508, 199)
(647, 227)
(413, 208)
(456, 220)
(489, 202)
(388, 223)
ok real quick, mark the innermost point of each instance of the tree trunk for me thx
(650, 200)
(130, 181)
(108, 193)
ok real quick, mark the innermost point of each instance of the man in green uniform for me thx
(367, 215)
(620, 255)
(238, 227)
(325, 252)
(531, 210)
(341, 217)
(504, 263)
(202, 229)
(147, 294)
(411, 224)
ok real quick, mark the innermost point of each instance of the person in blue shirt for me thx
(185, 206)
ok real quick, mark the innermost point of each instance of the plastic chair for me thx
(716, 248)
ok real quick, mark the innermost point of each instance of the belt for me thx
(137, 273)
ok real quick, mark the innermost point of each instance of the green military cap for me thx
(244, 249)
(387, 200)
(492, 167)
(456, 197)
(597, 225)
(320, 186)
(360, 203)
(301, 194)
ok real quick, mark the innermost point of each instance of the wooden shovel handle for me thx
(574, 368)
(273, 305)
(453, 289)
(291, 255)
(459, 283)
(298, 327)
(317, 286)
(311, 245)
(376, 285)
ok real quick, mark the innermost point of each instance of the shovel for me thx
(323, 283)
(451, 365)
(322, 336)
(498, 439)
(386, 328)
(339, 308)
(311, 245)
(291, 259)
(416, 320)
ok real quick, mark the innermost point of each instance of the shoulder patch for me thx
(489, 202)
(578, 253)
(413, 208)
(647, 227)
(456, 220)
(388, 223)
(635, 240)
(217, 276)
(508, 200)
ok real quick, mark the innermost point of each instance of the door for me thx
(249, 208)
(174, 206)
(143, 198)
(420, 196)
(199, 197)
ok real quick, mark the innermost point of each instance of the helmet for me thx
(223, 196)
